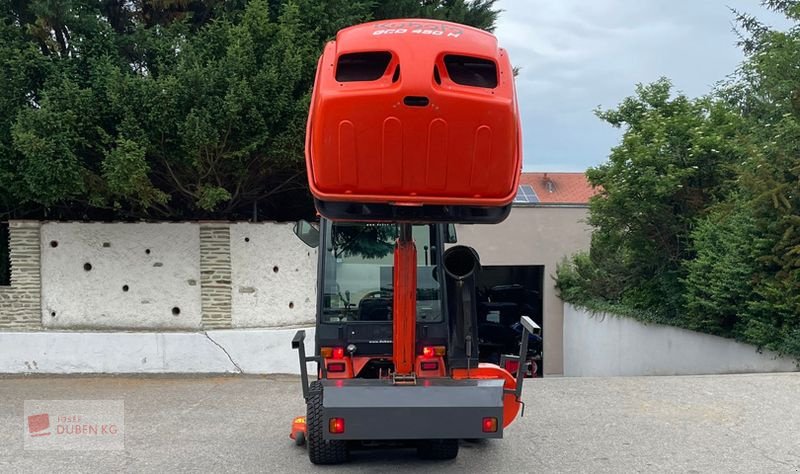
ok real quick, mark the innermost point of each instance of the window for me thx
(526, 195)
(469, 71)
(5, 257)
(370, 66)
(359, 270)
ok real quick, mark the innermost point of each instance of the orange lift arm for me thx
(404, 319)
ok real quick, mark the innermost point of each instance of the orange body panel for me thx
(364, 144)
(491, 371)
(298, 427)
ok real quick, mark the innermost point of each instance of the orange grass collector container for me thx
(413, 112)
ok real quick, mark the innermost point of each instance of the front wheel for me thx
(437, 449)
(319, 450)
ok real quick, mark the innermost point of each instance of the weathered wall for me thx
(121, 276)
(247, 351)
(273, 276)
(535, 236)
(20, 303)
(608, 345)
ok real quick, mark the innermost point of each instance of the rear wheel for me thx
(319, 450)
(437, 449)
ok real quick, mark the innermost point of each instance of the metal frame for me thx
(298, 342)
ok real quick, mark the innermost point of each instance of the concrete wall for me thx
(274, 276)
(535, 236)
(121, 276)
(168, 276)
(253, 351)
(607, 345)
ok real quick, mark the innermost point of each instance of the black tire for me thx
(437, 449)
(319, 450)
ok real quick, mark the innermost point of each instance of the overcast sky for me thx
(576, 55)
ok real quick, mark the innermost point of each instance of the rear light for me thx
(332, 352)
(489, 425)
(336, 367)
(433, 351)
(512, 366)
(429, 366)
(336, 425)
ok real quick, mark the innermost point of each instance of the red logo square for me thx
(38, 423)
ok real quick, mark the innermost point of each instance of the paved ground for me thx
(735, 423)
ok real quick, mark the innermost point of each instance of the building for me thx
(547, 224)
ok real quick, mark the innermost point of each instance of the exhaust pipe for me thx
(461, 267)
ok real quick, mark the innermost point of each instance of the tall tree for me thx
(169, 109)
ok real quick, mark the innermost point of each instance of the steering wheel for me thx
(382, 293)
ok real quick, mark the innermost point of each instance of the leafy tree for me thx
(168, 109)
(767, 93)
(698, 221)
(673, 162)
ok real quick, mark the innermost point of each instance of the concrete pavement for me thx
(730, 423)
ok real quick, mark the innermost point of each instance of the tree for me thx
(698, 220)
(675, 159)
(169, 109)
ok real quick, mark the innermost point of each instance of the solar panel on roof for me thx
(526, 194)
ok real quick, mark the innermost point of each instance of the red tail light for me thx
(427, 351)
(338, 352)
(490, 425)
(336, 367)
(336, 425)
(512, 366)
(429, 366)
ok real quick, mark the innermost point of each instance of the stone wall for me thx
(215, 275)
(20, 302)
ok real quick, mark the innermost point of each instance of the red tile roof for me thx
(559, 188)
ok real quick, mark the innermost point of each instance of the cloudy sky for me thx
(576, 55)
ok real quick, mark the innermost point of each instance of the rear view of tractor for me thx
(413, 127)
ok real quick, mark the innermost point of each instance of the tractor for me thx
(413, 127)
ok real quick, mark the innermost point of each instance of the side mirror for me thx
(450, 236)
(307, 232)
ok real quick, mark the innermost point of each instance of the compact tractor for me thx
(413, 127)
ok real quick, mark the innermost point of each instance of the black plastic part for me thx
(321, 451)
(437, 449)
(379, 212)
(416, 101)
(461, 266)
(528, 327)
(299, 344)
